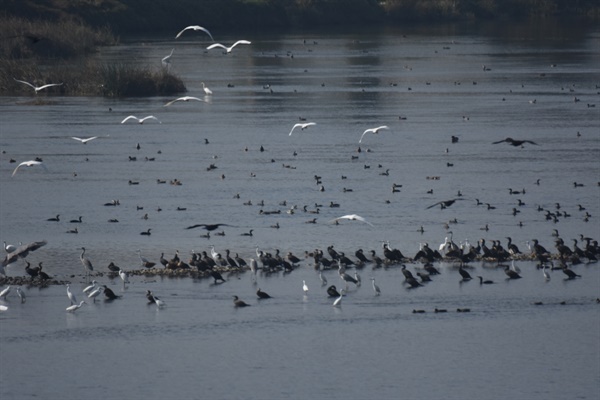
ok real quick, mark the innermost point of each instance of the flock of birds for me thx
(463, 254)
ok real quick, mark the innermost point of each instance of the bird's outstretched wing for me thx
(240, 42)
(27, 83)
(215, 45)
(130, 117)
(196, 28)
(499, 141)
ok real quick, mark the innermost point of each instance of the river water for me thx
(527, 338)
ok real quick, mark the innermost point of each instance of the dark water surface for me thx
(427, 86)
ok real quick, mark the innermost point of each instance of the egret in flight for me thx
(84, 140)
(352, 217)
(30, 163)
(140, 120)
(302, 126)
(184, 98)
(228, 49)
(196, 28)
(373, 130)
(38, 88)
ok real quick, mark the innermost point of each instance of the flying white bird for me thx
(140, 120)
(228, 49)
(302, 126)
(352, 217)
(373, 130)
(196, 28)
(184, 98)
(38, 88)
(30, 163)
(82, 140)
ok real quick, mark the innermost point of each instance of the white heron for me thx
(140, 120)
(357, 277)
(352, 217)
(195, 28)
(91, 287)
(338, 301)
(30, 163)
(21, 294)
(304, 287)
(213, 253)
(38, 88)
(87, 264)
(84, 140)
(228, 49)
(302, 126)
(4, 293)
(375, 287)
(207, 91)
(124, 276)
(166, 60)
(184, 98)
(9, 248)
(546, 274)
(71, 296)
(94, 293)
(373, 130)
(75, 307)
(514, 267)
(253, 268)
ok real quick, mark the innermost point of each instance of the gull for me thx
(352, 217)
(228, 49)
(38, 88)
(302, 126)
(184, 98)
(84, 141)
(373, 130)
(207, 91)
(140, 120)
(30, 163)
(196, 28)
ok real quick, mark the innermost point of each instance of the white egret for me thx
(207, 91)
(124, 276)
(84, 140)
(514, 267)
(71, 296)
(373, 130)
(91, 287)
(30, 163)
(21, 294)
(357, 277)
(140, 120)
(4, 293)
(546, 275)
(94, 293)
(352, 217)
(302, 126)
(304, 287)
(166, 60)
(184, 98)
(75, 307)
(38, 88)
(253, 268)
(375, 287)
(196, 28)
(9, 248)
(227, 49)
(323, 279)
(338, 301)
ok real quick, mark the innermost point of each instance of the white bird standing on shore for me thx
(38, 88)
(196, 28)
(373, 130)
(304, 287)
(21, 294)
(302, 126)
(375, 287)
(227, 49)
(30, 163)
(71, 296)
(140, 120)
(84, 140)
(207, 91)
(75, 307)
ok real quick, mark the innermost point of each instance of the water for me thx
(294, 346)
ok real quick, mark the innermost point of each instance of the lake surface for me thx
(426, 85)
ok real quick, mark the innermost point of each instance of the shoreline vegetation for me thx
(48, 41)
